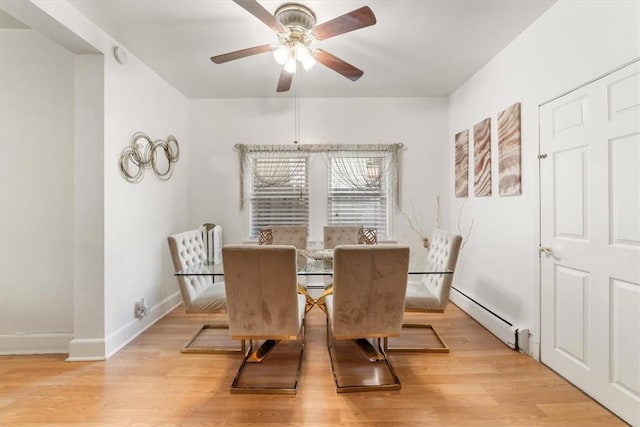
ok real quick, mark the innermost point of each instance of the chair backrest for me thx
(369, 289)
(336, 235)
(294, 235)
(187, 249)
(443, 254)
(262, 295)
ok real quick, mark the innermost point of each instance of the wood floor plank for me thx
(150, 382)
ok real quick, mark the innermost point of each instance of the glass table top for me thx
(317, 267)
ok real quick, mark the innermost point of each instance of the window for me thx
(361, 189)
(279, 191)
(358, 191)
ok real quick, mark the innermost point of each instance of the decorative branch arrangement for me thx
(416, 225)
(142, 154)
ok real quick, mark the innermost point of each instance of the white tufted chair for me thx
(369, 285)
(264, 304)
(200, 294)
(431, 294)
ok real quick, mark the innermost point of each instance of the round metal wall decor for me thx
(143, 153)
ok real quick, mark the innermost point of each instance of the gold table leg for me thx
(320, 302)
(310, 302)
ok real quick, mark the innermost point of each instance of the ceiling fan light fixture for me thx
(281, 54)
(303, 54)
(291, 65)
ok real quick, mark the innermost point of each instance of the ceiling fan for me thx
(296, 27)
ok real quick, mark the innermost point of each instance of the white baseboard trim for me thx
(86, 350)
(91, 349)
(40, 343)
(511, 335)
(127, 333)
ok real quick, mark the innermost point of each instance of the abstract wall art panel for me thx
(482, 157)
(462, 163)
(509, 177)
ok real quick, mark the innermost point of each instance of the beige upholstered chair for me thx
(263, 304)
(295, 235)
(369, 286)
(336, 235)
(431, 294)
(200, 294)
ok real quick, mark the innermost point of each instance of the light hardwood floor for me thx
(149, 382)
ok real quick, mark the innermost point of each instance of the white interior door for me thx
(590, 239)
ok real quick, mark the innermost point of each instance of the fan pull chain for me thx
(296, 112)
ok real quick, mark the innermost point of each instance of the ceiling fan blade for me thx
(226, 57)
(254, 8)
(353, 20)
(337, 65)
(284, 83)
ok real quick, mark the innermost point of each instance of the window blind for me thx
(279, 192)
(358, 192)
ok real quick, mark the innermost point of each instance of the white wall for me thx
(36, 193)
(139, 217)
(217, 125)
(120, 229)
(569, 45)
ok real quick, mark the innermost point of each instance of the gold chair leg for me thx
(443, 349)
(267, 389)
(187, 348)
(261, 352)
(341, 388)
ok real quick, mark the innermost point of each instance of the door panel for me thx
(570, 170)
(624, 155)
(569, 115)
(572, 296)
(623, 94)
(590, 221)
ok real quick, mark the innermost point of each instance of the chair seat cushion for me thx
(419, 298)
(212, 299)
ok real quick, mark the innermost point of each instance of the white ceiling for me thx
(418, 48)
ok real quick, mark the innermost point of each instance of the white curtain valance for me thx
(279, 174)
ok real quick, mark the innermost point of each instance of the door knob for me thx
(545, 250)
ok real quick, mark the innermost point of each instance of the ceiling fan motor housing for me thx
(298, 19)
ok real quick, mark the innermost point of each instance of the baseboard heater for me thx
(514, 337)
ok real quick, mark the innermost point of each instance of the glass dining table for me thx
(319, 263)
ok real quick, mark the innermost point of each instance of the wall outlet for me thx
(141, 309)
